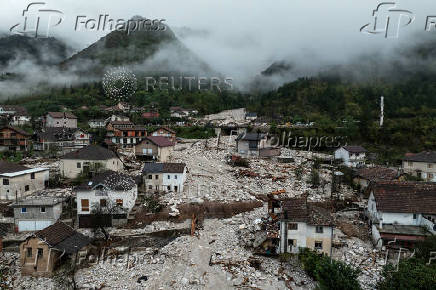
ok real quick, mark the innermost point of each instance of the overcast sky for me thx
(245, 36)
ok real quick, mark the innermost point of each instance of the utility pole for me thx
(382, 113)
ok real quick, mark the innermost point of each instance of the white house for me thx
(60, 120)
(36, 213)
(164, 176)
(109, 191)
(351, 156)
(89, 158)
(405, 211)
(17, 181)
(61, 140)
(422, 165)
(97, 124)
(305, 225)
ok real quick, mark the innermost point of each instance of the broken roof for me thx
(377, 173)
(54, 134)
(405, 197)
(17, 110)
(91, 152)
(111, 180)
(355, 149)
(160, 141)
(163, 168)
(425, 156)
(299, 210)
(251, 137)
(63, 115)
(63, 237)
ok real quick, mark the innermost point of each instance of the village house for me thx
(14, 139)
(401, 211)
(165, 132)
(43, 251)
(351, 156)
(164, 177)
(179, 112)
(365, 176)
(305, 224)
(250, 116)
(15, 115)
(109, 193)
(250, 144)
(117, 124)
(127, 137)
(60, 120)
(156, 148)
(18, 181)
(422, 165)
(97, 124)
(88, 159)
(36, 213)
(61, 140)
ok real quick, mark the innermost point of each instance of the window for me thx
(169, 177)
(157, 187)
(85, 204)
(175, 176)
(23, 209)
(168, 187)
(5, 181)
(319, 229)
(410, 163)
(26, 188)
(119, 202)
(103, 202)
(43, 209)
(156, 176)
(414, 216)
(79, 165)
(292, 227)
(40, 253)
(429, 165)
(150, 176)
(176, 189)
(430, 176)
(292, 243)
(318, 245)
(32, 175)
(29, 252)
(150, 187)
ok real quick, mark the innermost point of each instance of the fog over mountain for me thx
(238, 39)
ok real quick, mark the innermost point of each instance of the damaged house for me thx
(305, 224)
(365, 176)
(60, 120)
(61, 140)
(165, 132)
(156, 148)
(251, 144)
(404, 212)
(110, 195)
(92, 158)
(164, 176)
(43, 251)
(18, 181)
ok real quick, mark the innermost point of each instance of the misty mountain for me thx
(157, 51)
(41, 51)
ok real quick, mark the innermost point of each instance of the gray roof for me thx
(404, 230)
(355, 149)
(163, 168)
(37, 201)
(426, 156)
(58, 134)
(111, 180)
(91, 152)
(9, 167)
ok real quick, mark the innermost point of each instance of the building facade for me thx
(422, 165)
(164, 177)
(60, 120)
(154, 148)
(351, 156)
(14, 139)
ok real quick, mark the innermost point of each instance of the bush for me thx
(314, 178)
(285, 257)
(299, 172)
(329, 273)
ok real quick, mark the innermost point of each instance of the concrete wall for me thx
(17, 185)
(305, 237)
(69, 167)
(34, 213)
(427, 169)
(94, 197)
(37, 265)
